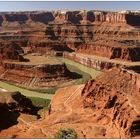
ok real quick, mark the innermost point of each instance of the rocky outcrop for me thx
(17, 102)
(93, 31)
(111, 50)
(11, 105)
(21, 18)
(35, 76)
(115, 95)
(110, 17)
(98, 37)
(42, 17)
(73, 16)
(98, 62)
(133, 19)
(107, 107)
(1, 20)
(22, 71)
(90, 62)
(10, 52)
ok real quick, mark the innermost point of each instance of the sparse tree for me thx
(66, 133)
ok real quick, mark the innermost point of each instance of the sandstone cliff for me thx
(35, 76)
(73, 30)
(73, 16)
(107, 107)
(10, 52)
(11, 105)
(115, 95)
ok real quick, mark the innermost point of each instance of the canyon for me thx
(31, 45)
(103, 108)
(115, 34)
(34, 74)
(12, 105)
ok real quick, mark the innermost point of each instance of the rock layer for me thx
(107, 107)
(35, 76)
(73, 16)
(115, 95)
(11, 105)
(113, 33)
(10, 52)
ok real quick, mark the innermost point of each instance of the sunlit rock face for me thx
(111, 34)
(114, 96)
(110, 102)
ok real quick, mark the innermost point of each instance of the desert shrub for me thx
(66, 133)
(40, 102)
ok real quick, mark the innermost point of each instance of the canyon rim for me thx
(76, 70)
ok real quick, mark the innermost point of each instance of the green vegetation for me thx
(85, 76)
(24, 91)
(40, 102)
(93, 72)
(46, 91)
(84, 71)
(43, 104)
(66, 133)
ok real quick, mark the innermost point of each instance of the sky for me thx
(70, 5)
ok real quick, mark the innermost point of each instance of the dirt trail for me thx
(30, 125)
(58, 120)
(74, 94)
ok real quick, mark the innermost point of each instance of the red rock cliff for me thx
(73, 16)
(93, 31)
(115, 95)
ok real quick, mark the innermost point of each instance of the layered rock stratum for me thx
(115, 96)
(38, 72)
(105, 107)
(111, 34)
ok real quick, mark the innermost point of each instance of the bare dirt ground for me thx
(36, 59)
(66, 113)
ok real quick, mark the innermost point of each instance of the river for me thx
(30, 93)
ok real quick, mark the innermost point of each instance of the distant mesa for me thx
(33, 47)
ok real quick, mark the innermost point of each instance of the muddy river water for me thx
(93, 73)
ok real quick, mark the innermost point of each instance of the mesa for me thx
(75, 69)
